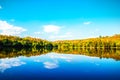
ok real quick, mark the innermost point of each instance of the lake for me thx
(59, 65)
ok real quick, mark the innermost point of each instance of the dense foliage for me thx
(100, 42)
(29, 42)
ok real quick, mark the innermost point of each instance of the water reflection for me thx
(11, 52)
(51, 60)
(50, 65)
(55, 66)
(101, 53)
(7, 63)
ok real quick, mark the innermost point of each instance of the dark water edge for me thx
(98, 52)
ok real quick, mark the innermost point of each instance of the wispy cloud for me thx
(67, 35)
(87, 23)
(8, 29)
(38, 33)
(51, 28)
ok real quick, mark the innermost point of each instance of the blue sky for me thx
(60, 19)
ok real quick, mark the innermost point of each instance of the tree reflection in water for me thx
(101, 53)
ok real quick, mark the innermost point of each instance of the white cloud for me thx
(8, 29)
(38, 33)
(67, 35)
(51, 28)
(9, 63)
(0, 7)
(50, 65)
(87, 23)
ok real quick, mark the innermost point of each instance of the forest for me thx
(27, 42)
(101, 42)
(106, 42)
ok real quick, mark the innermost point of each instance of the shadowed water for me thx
(55, 64)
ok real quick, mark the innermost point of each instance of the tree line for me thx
(106, 42)
(29, 42)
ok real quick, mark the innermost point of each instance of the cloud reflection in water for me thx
(9, 63)
(52, 60)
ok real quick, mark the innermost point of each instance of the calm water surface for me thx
(55, 66)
